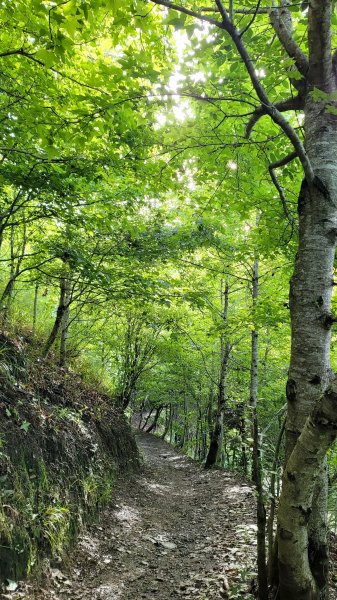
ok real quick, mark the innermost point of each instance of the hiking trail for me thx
(172, 531)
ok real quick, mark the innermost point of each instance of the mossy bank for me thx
(62, 445)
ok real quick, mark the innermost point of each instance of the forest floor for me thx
(173, 531)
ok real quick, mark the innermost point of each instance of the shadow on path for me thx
(173, 531)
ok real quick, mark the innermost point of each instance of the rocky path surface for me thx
(173, 531)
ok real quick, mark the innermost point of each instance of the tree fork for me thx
(297, 580)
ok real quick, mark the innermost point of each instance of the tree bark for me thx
(65, 322)
(168, 418)
(36, 293)
(272, 546)
(256, 461)
(216, 431)
(59, 316)
(15, 264)
(298, 580)
(311, 319)
(147, 419)
(153, 425)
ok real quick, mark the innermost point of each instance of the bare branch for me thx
(187, 11)
(281, 163)
(239, 11)
(11, 52)
(231, 10)
(252, 19)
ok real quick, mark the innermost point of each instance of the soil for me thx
(173, 531)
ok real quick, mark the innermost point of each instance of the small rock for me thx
(57, 574)
(168, 545)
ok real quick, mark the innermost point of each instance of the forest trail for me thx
(172, 531)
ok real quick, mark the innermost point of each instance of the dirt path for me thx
(174, 531)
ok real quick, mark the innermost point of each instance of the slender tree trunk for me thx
(244, 460)
(147, 419)
(15, 264)
(59, 317)
(154, 423)
(8, 291)
(272, 544)
(185, 430)
(216, 432)
(168, 417)
(65, 322)
(1, 231)
(173, 416)
(256, 462)
(196, 447)
(36, 293)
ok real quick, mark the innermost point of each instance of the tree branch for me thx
(11, 52)
(239, 11)
(30, 56)
(281, 163)
(295, 103)
(187, 11)
(271, 110)
(281, 20)
(222, 10)
(252, 19)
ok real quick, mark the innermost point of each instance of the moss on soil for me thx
(62, 446)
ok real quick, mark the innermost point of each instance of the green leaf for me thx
(176, 22)
(25, 426)
(46, 56)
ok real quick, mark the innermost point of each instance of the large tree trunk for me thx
(299, 581)
(311, 320)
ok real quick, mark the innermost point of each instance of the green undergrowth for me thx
(62, 445)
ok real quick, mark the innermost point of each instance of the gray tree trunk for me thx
(311, 320)
(256, 462)
(299, 581)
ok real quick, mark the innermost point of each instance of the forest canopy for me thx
(166, 169)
